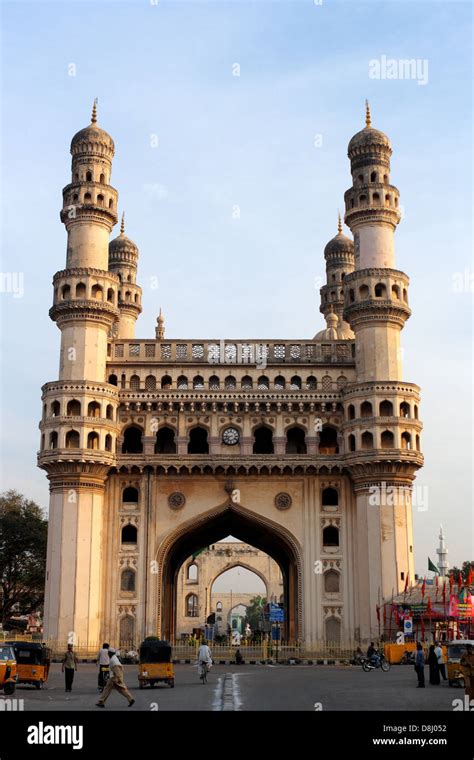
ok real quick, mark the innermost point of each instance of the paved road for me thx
(253, 687)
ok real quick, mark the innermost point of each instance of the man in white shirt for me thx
(115, 681)
(439, 654)
(204, 659)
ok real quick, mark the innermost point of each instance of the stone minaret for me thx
(442, 552)
(339, 256)
(123, 258)
(80, 408)
(383, 444)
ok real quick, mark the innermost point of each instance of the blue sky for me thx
(166, 70)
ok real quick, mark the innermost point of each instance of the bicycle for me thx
(203, 670)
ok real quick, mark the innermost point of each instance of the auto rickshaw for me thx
(155, 663)
(8, 674)
(33, 661)
(456, 650)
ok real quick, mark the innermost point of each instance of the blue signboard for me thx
(277, 614)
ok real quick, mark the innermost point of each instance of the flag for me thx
(432, 567)
(444, 591)
(423, 587)
(429, 607)
(451, 583)
(470, 576)
(406, 584)
(459, 579)
(437, 587)
(378, 612)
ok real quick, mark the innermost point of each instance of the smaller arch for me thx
(295, 383)
(328, 443)
(191, 606)
(100, 200)
(396, 292)
(111, 203)
(108, 442)
(330, 497)
(352, 442)
(311, 383)
(132, 441)
(386, 408)
(113, 380)
(72, 439)
(192, 572)
(198, 441)
(55, 409)
(263, 440)
(230, 383)
(387, 439)
(93, 409)
(417, 442)
(279, 383)
(102, 179)
(182, 383)
(109, 411)
(330, 536)
(66, 292)
(165, 441)
(333, 630)
(134, 383)
(351, 412)
(331, 582)
(246, 383)
(129, 534)
(295, 441)
(73, 408)
(150, 383)
(364, 291)
(415, 411)
(406, 441)
(405, 409)
(127, 580)
(81, 290)
(89, 176)
(380, 290)
(53, 440)
(373, 176)
(87, 197)
(367, 440)
(366, 409)
(405, 295)
(130, 495)
(110, 295)
(93, 441)
(263, 383)
(198, 383)
(214, 383)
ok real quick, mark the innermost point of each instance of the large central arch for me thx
(212, 526)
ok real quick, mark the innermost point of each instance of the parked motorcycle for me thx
(408, 658)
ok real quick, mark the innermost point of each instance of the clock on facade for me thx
(230, 436)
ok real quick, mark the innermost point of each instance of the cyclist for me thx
(103, 661)
(204, 659)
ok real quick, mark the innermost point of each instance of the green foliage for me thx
(466, 567)
(255, 610)
(23, 540)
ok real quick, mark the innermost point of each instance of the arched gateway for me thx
(228, 519)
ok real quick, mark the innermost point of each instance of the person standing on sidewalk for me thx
(420, 666)
(441, 665)
(115, 681)
(69, 667)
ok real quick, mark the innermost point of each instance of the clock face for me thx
(230, 436)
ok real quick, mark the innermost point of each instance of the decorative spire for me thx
(94, 111)
(368, 118)
(160, 329)
(339, 223)
(122, 224)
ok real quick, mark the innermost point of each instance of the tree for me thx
(254, 614)
(467, 566)
(23, 539)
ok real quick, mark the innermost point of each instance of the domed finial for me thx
(94, 111)
(160, 328)
(339, 223)
(368, 119)
(122, 224)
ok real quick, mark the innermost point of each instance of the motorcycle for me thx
(408, 658)
(375, 662)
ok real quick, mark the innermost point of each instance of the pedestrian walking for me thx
(420, 666)
(434, 667)
(467, 667)
(103, 660)
(441, 663)
(69, 667)
(115, 681)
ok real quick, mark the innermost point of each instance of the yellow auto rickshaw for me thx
(33, 662)
(456, 650)
(155, 663)
(8, 674)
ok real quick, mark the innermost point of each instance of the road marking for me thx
(227, 696)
